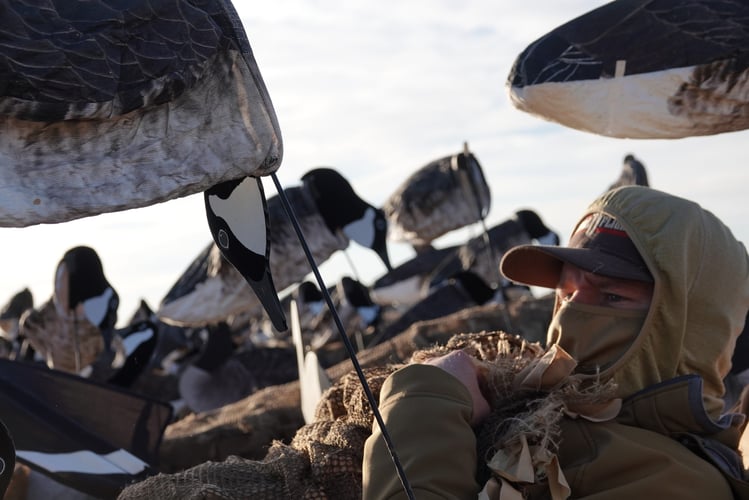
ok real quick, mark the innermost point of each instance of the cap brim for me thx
(541, 265)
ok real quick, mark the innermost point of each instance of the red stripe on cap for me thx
(615, 232)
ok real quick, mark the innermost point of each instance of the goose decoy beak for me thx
(379, 244)
(238, 219)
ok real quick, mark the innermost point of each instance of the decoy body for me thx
(646, 69)
(633, 173)
(330, 215)
(446, 194)
(107, 106)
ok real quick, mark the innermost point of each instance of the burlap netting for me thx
(323, 460)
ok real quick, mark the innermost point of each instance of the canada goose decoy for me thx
(412, 281)
(83, 293)
(330, 215)
(223, 372)
(633, 173)
(11, 313)
(525, 227)
(446, 194)
(641, 70)
(139, 342)
(77, 323)
(113, 105)
(15, 346)
(465, 289)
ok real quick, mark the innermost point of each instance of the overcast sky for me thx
(377, 92)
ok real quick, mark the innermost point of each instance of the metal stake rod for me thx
(346, 342)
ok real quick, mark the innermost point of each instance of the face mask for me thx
(595, 336)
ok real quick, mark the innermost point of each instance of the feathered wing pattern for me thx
(641, 69)
(116, 105)
(238, 218)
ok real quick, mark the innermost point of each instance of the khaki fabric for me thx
(701, 291)
(670, 378)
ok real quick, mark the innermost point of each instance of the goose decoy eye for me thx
(223, 239)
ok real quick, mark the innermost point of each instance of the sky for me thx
(377, 90)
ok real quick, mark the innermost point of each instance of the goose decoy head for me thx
(238, 218)
(12, 311)
(343, 210)
(358, 296)
(82, 288)
(535, 227)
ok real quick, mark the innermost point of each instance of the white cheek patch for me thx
(244, 214)
(362, 230)
(547, 239)
(132, 341)
(96, 308)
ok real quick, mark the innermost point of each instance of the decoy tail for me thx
(238, 218)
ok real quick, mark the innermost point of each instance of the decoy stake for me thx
(344, 338)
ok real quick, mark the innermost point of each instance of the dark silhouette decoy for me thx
(446, 194)
(642, 70)
(330, 215)
(633, 173)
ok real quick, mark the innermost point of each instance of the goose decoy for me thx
(465, 289)
(10, 316)
(643, 70)
(83, 293)
(525, 227)
(77, 323)
(357, 296)
(330, 215)
(412, 281)
(139, 342)
(11, 312)
(223, 372)
(446, 194)
(633, 173)
(109, 106)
